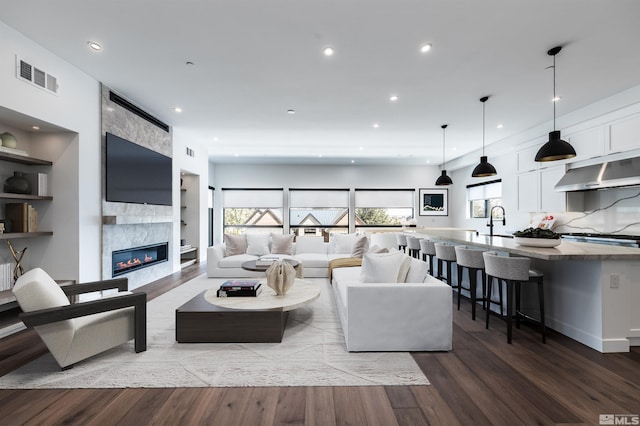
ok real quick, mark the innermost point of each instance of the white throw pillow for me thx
(360, 246)
(417, 272)
(258, 244)
(282, 244)
(343, 243)
(381, 267)
(235, 244)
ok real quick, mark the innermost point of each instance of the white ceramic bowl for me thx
(537, 242)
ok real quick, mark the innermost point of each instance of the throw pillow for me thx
(404, 269)
(258, 244)
(417, 272)
(377, 249)
(381, 267)
(360, 246)
(282, 244)
(235, 244)
(342, 243)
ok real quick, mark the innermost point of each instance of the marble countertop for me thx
(567, 250)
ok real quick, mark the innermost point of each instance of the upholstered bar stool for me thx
(428, 250)
(401, 239)
(446, 253)
(413, 247)
(473, 262)
(514, 271)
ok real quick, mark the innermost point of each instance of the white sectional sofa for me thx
(416, 315)
(312, 251)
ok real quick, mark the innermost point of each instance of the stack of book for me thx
(266, 260)
(240, 288)
(22, 216)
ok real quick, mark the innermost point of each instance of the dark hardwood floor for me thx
(483, 381)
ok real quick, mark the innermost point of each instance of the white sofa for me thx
(312, 251)
(410, 316)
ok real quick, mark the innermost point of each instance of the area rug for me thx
(312, 353)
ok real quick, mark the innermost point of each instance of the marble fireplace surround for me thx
(126, 225)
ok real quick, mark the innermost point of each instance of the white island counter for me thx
(592, 291)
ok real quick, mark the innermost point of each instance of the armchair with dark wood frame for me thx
(50, 315)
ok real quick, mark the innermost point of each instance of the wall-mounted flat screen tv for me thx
(135, 174)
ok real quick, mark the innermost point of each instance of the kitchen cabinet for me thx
(588, 144)
(536, 191)
(624, 134)
(526, 159)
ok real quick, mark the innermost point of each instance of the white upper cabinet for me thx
(527, 159)
(528, 190)
(588, 144)
(550, 199)
(624, 134)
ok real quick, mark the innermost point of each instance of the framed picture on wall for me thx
(433, 202)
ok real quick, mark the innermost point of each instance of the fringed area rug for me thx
(312, 353)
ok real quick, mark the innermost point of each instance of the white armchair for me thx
(73, 332)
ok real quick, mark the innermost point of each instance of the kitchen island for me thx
(592, 291)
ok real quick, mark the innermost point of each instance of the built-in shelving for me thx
(16, 235)
(10, 196)
(30, 161)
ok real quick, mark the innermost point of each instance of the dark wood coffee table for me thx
(250, 265)
(261, 319)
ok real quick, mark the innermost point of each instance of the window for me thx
(384, 207)
(319, 211)
(483, 197)
(252, 210)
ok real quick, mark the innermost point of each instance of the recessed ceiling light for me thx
(319, 155)
(291, 111)
(353, 161)
(94, 45)
(177, 109)
(361, 148)
(35, 127)
(425, 48)
(236, 154)
(428, 161)
(328, 51)
(216, 139)
(500, 126)
(393, 98)
(376, 125)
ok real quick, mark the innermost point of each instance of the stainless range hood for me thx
(605, 175)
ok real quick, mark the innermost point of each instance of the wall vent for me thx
(39, 78)
(190, 152)
(119, 100)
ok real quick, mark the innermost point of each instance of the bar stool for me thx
(514, 271)
(413, 247)
(401, 239)
(428, 249)
(473, 261)
(446, 253)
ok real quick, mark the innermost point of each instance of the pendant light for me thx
(556, 148)
(443, 179)
(484, 168)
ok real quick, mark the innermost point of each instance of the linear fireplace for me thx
(135, 258)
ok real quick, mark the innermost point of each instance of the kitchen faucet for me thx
(490, 224)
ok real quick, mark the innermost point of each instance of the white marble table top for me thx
(301, 293)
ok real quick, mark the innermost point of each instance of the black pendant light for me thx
(443, 179)
(556, 148)
(484, 168)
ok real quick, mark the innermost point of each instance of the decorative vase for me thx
(8, 140)
(17, 184)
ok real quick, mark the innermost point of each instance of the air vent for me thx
(116, 99)
(39, 78)
(190, 152)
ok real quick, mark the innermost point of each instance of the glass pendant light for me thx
(556, 148)
(443, 179)
(484, 168)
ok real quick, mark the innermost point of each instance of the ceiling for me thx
(255, 59)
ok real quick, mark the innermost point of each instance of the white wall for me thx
(76, 107)
(316, 176)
